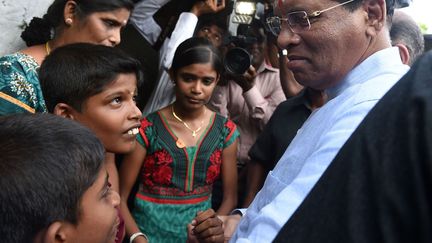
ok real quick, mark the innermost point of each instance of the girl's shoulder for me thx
(225, 120)
(149, 120)
(226, 128)
(221, 118)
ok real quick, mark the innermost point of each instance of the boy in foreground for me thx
(54, 182)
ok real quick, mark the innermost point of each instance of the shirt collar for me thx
(363, 72)
(264, 66)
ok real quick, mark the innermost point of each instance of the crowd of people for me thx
(325, 137)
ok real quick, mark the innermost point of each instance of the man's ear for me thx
(55, 233)
(404, 53)
(376, 15)
(64, 110)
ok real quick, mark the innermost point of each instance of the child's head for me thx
(97, 86)
(196, 50)
(196, 69)
(53, 179)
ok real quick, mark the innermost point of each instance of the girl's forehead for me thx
(198, 67)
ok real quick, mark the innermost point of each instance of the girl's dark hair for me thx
(40, 30)
(196, 50)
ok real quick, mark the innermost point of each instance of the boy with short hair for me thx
(54, 182)
(96, 86)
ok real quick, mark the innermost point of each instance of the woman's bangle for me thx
(135, 235)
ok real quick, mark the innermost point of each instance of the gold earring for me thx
(68, 21)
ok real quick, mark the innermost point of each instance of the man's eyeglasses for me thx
(298, 21)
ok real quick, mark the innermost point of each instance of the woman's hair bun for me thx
(37, 32)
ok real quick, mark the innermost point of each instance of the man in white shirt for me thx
(378, 187)
(343, 48)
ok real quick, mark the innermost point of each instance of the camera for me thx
(237, 60)
(241, 40)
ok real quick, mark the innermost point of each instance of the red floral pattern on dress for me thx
(163, 157)
(163, 175)
(148, 170)
(145, 123)
(212, 174)
(214, 169)
(156, 169)
(216, 157)
(230, 125)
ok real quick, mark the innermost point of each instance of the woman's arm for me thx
(229, 179)
(129, 171)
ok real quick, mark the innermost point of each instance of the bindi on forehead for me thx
(279, 4)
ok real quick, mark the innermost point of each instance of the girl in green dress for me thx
(184, 148)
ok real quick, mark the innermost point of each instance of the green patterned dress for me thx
(176, 183)
(20, 91)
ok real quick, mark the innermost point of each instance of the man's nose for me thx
(287, 38)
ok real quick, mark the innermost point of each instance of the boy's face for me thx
(113, 114)
(98, 220)
(213, 33)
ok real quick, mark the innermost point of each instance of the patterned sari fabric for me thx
(176, 182)
(20, 91)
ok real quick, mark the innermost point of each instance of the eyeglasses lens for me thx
(297, 21)
(274, 24)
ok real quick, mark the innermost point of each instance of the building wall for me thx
(15, 14)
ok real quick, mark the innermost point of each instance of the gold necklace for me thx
(194, 132)
(47, 48)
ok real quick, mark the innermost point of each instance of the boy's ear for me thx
(55, 233)
(64, 110)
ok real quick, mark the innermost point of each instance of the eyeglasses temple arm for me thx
(317, 13)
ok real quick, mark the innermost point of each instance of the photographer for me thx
(249, 98)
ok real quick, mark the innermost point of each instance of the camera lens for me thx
(237, 61)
